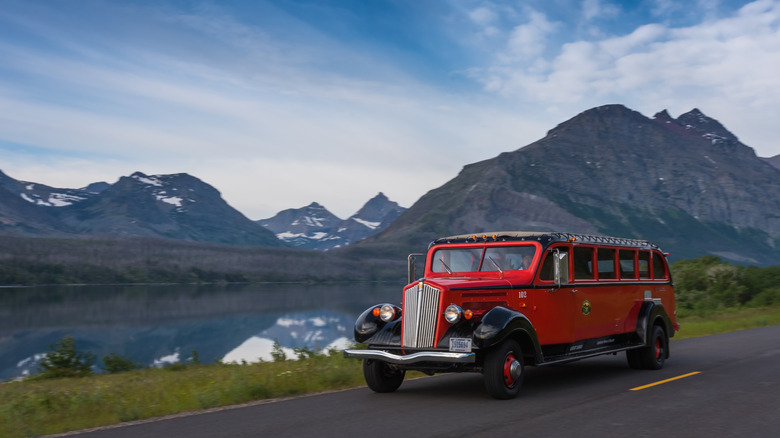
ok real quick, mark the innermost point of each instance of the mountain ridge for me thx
(687, 184)
(176, 206)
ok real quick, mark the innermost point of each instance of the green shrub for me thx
(119, 364)
(63, 360)
(277, 353)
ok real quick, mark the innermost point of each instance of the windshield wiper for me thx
(496, 264)
(441, 259)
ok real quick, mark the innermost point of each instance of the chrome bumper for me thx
(422, 356)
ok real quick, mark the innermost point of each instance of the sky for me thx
(278, 104)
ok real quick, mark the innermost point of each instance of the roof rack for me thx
(544, 237)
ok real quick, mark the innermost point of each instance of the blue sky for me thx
(281, 103)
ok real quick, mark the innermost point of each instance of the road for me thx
(735, 393)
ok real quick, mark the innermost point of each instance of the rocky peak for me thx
(706, 126)
(663, 116)
(377, 209)
(599, 119)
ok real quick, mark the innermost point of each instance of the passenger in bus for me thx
(527, 259)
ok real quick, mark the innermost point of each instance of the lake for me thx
(164, 324)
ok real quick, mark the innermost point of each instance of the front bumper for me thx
(422, 356)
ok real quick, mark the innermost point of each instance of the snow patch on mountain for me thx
(151, 180)
(369, 224)
(54, 199)
(173, 200)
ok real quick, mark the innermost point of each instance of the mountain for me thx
(774, 161)
(314, 227)
(687, 184)
(376, 215)
(176, 206)
(25, 207)
(305, 227)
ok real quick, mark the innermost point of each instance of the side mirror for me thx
(560, 267)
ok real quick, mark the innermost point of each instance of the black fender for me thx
(652, 313)
(368, 326)
(500, 323)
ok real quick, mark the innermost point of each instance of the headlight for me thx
(453, 313)
(386, 313)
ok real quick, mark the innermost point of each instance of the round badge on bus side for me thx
(586, 307)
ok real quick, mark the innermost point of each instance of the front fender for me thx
(367, 325)
(500, 323)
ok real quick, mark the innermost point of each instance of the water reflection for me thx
(157, 325)
(315, 331)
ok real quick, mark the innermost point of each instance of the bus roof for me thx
(543, 237)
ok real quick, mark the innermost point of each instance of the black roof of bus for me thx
(545, 238)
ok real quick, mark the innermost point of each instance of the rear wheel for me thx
(503, 370)
(381, 377)
(652, 356)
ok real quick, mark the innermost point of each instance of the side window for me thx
(626, 261)
(583, 263)
(606, 263)
(548, 266)
(658, 267)
(644, 264)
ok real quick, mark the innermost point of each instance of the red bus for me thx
(497, 302)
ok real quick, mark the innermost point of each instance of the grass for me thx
(727, 320)
(37, 407)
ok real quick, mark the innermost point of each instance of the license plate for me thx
(461, 345)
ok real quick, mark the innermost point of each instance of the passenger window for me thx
(583, 263)
(627, 269)
(644, 264)
(658, 267)
(606, 263)
(548, 266)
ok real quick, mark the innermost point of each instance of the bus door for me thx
(597, 293)
(554, 301)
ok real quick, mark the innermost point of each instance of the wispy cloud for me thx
(723, 66)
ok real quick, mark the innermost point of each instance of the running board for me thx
(571, 358)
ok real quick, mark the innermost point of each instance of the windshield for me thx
(503, 258)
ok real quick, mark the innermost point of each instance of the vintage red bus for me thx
(494, 303)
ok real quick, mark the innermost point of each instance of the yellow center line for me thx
(665, 381)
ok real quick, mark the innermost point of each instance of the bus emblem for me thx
(586, 307)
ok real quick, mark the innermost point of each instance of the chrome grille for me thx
(421, 311)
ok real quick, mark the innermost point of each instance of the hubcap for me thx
(658, 349)
(512, 370)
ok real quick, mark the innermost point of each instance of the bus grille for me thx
(420, 315)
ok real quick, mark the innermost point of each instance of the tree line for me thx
(26, 261)
(702, 284)
(707, 284)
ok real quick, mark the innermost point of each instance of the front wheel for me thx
(381, 377)
(503, 370)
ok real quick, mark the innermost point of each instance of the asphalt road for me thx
(736, 392)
